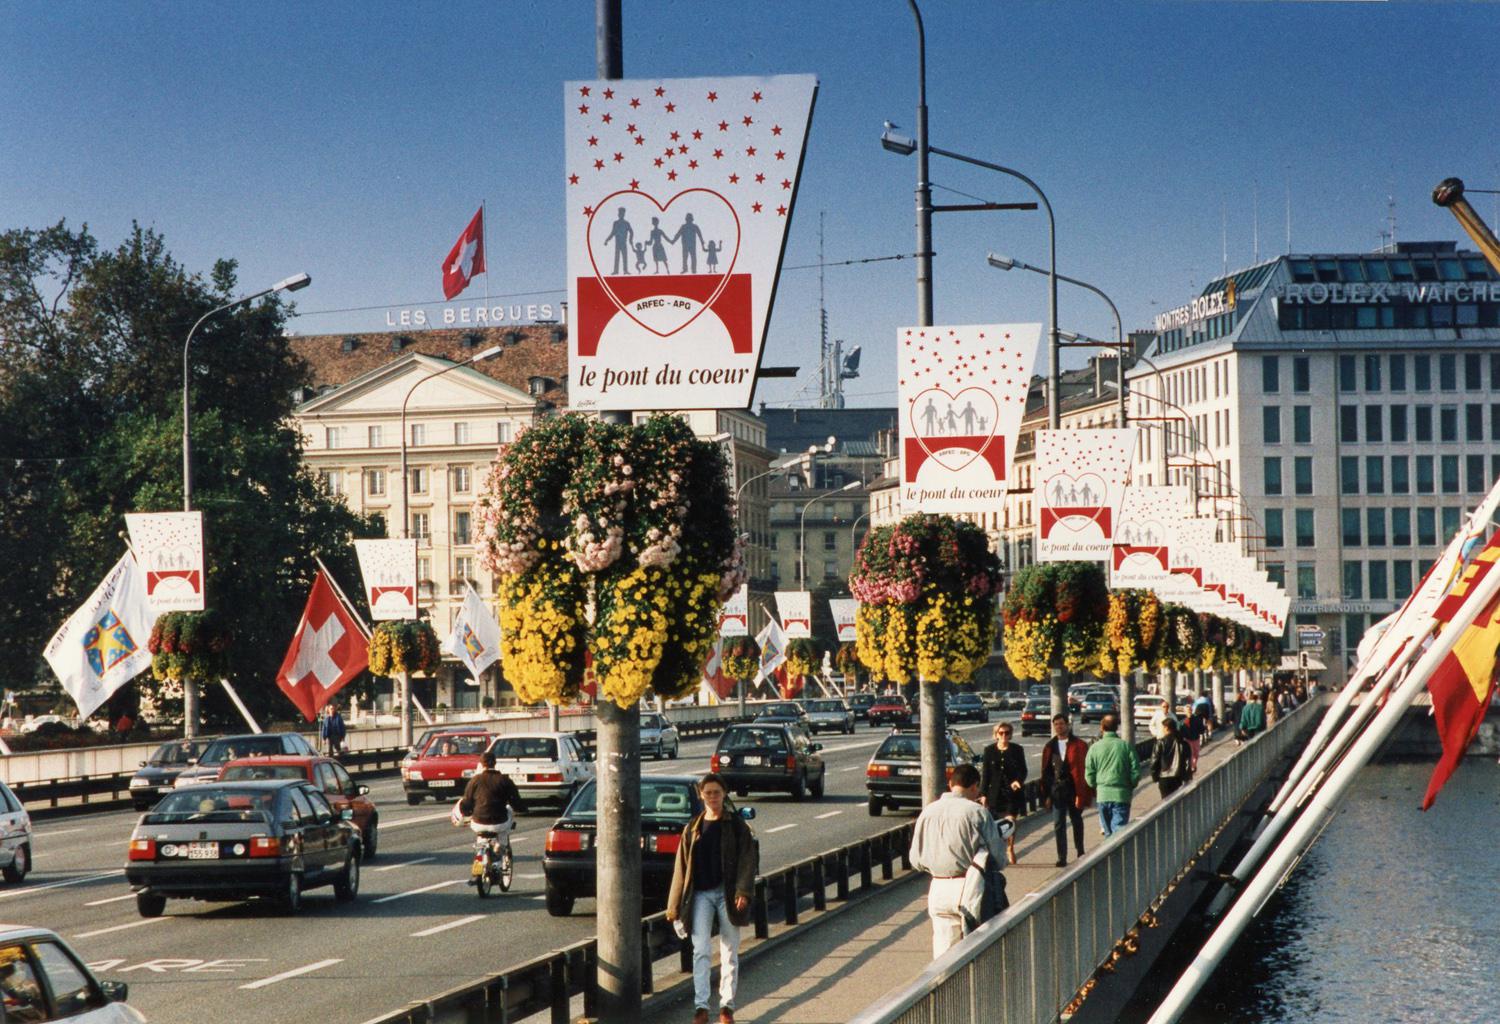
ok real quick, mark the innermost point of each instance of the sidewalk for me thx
(828, 972)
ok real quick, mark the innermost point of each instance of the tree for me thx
(90, 406)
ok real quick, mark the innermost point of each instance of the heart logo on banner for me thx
(1140, 533)
(713, 217)
(951, 459)
(1072, 489)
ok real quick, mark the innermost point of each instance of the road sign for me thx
(1310, 636)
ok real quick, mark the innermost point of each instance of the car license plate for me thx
(440, 783)
(911, 771)
(748, 761)
(203, 851)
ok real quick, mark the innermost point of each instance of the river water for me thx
(1393, 916)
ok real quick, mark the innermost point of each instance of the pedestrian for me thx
(1252, 719)
(950, 835)
(1002, 782)
(334, 731)
(713, 879)
(1273, 708)
(1112, 770)
(1192, 731)
(1171, 759)
(1234, 712)
(1065, 789)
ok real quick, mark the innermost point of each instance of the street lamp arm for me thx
(493, 350)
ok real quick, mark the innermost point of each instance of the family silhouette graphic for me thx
(689, 235)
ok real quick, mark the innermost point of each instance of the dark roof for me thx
(795, 430)
(536, 350)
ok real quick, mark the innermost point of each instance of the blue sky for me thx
(354, 141)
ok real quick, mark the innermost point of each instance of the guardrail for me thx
(549, 982)
(1028, 964)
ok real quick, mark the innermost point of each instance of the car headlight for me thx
(138, 783)
(414, 775)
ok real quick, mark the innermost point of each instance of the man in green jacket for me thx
(1112, 769)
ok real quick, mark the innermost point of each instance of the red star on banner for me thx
(734, 179)
(775, 129)
(755, 207)
(583, 108)
(671, 108)
(598, 165)
(760, 179)
(749, 120)
(630, 129)
(668, 152)
(583, 90)
(682, 149)
(781, 210)
(671, 175)
(718, 154)
(588, 211)
(593, 140)
(572, 179)
(661, 90)
(697, 135)
(619, 157)
(607, 118)
(640, 140)
(786, 183)
(749, 150)
(675, 136)
(609, 94)
(781, 154)
(692, 165)
(634, 103)
(723, 126)
(634, 184)
(713, 97)
(755, 96)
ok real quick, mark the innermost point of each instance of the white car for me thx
(33, 724)
(15, 836)
(42, 979)
(547, 767)
(1146, 707)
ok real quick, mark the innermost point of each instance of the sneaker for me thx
(700, 1015)
(726, 1015)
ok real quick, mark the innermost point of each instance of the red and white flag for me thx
(329, 649)
(465, 259)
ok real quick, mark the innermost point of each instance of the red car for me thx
(442, 768)
(328, 776)
(890, 711)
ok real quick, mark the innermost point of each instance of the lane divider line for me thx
(59, 832)
(830, 814)
(111, 899)
(781, 828)
(294, 973)
(404, 864)
(7, 894)
(120, 927)
(451, 924)
(425, 888)
(415, 820)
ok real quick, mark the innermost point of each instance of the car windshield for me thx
(904, 746)
(753, 739)
(215, 804)
(174, 753)
(1038, 704)
(782, 709)
(220, 751)
(664, 799)
(457, 746)
(964, 698)
(260, 772)
(650, 722)
(526, 748)
(825, 705)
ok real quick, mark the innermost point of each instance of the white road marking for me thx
(120, 927)
(112, 899)
(534, 874)
(781, 828)
(295, 972)
(59, 832)
(416, 820)
(425, 888)
(830, 814)
(404, 864)
(58, 885)
(854, 768)
(451, 924)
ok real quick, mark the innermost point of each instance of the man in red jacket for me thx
(1063, 787)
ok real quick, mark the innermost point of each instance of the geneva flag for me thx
(328, 650)
(475, 639)
(102, 646)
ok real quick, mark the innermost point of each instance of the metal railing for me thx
(548, 983)
(1027, 965)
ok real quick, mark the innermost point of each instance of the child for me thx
(640, 256)
(713, 255)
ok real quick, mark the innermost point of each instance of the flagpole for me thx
(484, 241)
(348, 605)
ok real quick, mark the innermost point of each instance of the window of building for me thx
(1448, 423)
(1307, 580)
(463, 568)
(1426, 483)
(1372, 373)
(1450, 474)
(421, 526)
(1473, 422)
(1302, 474)
(1375, 527)
(1448, 372)
(1273, 475)
(1305, 535)
(1301, 374)
(1495, 371)
(418, 481)
(1270, 424)
(1349, 474)
(424, 568)
(460, 433)
(1400, 475)
(1451, 517)
(1398, 424)
(830, 540)
(1301, 424)
(1398, 372)
(1348, 368)
(1474, 481)
(333, 437)
(459, 479)
(830, 570)
(1401, 579)
(1349, 424)
(1275, 531)
(1354, 581)
(1349, 526)
(1374, 474)
(375, 483)
(1374, 424)
(502, 432)
(1378, 581)
(1422, 372)
(1401, 527)
(418, 434)
(376, 435)
(1276, 573)
(1354, 631)
(1473, 371)
(333, 481)
(461, 528)
(1270, 374)
(1422, 417)
(1426, 527)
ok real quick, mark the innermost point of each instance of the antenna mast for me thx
(825, 371)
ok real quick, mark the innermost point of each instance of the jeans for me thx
(1113, 817)
(1062, 812)
(706, 907)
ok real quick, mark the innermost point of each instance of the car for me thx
(547, 767)
(271, 840)
(1039, 690)
(893, 778)
(1013, 701)
(1146, 706)
(890, 711)
(860, 704)
(831, 714)
(769, 756)
(159, 772)
(36, 723)
(325, 773)
(968, 707)
(785, 711)
(668, 803)
(1097, 704)
(992, 700)
(1184, 706)
(227, 748)
(1036, 716)
(46, 980)
(16, 837)
(659, 735)
(442, 767)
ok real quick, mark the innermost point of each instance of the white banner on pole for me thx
(794, 607)
(475, 639)
(169, 549)
(1141, 552)
(679, 192)
(844, 610)
(734, 617)
(389, 568)
(1081, 477)
(102, 646)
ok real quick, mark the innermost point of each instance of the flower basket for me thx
(404, 646)
(741, 658)
(189, 645)
(1055, 615)
(802, 657)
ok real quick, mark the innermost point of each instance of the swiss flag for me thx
(466, 258)
(328, 650)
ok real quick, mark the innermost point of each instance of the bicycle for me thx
(493, 863)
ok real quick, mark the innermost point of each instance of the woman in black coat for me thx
(1002, 782)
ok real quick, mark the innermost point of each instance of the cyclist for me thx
(488, 799)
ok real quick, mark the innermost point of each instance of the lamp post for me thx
(291, 284)
(405, 680)
(802, 529)
(853, 532)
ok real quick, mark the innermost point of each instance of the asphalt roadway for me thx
(416, 929)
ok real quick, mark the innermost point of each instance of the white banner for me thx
(475, 639)
(962, 395)
(1141, 552)
(169, 550)
(389, 568)
(1081, 476)
(734, 617)
(794, 607)
(844, 609)
(679, 192)
(102, 646)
